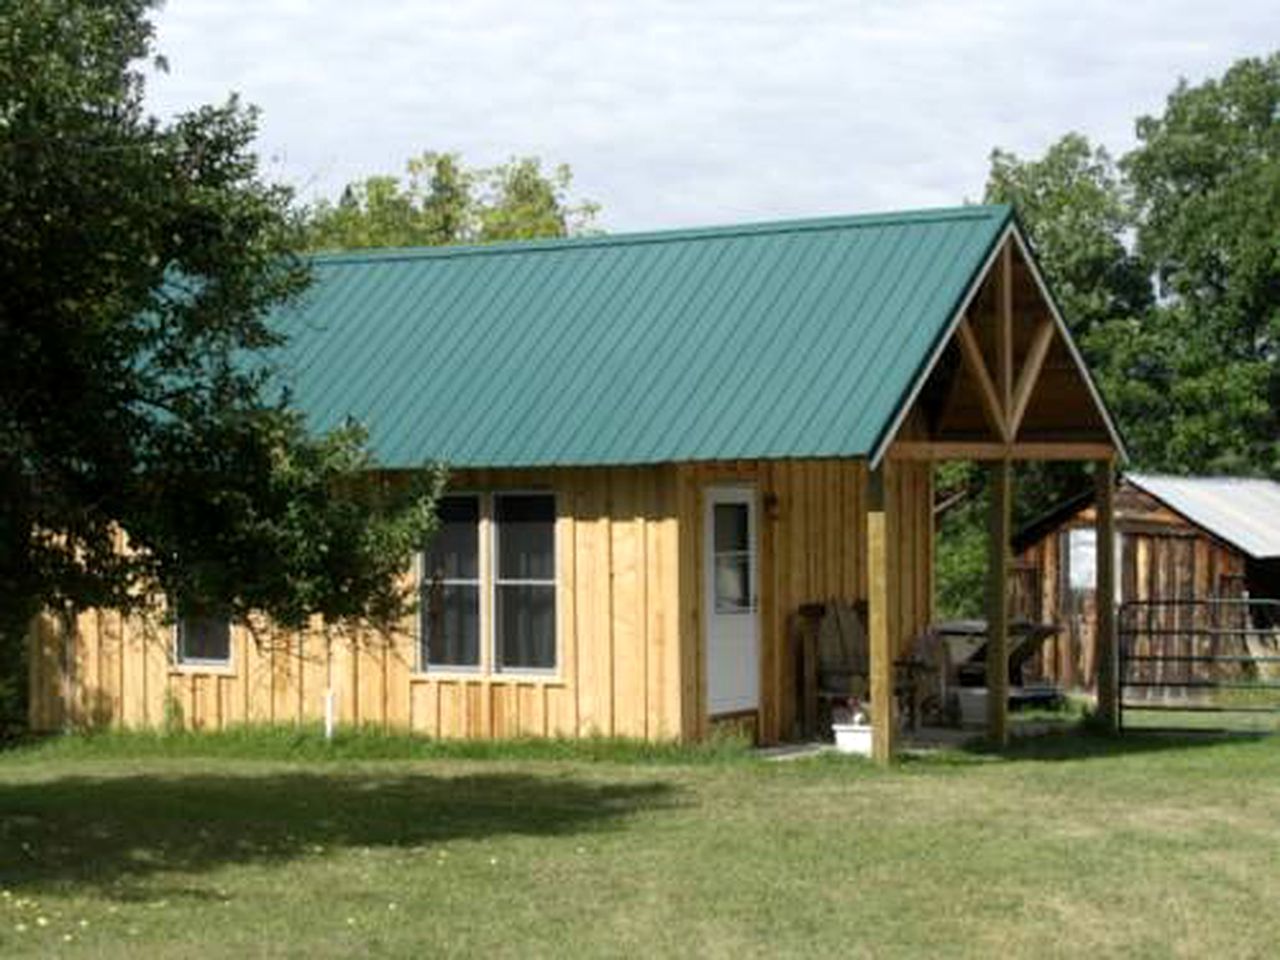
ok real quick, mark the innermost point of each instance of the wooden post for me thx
(1000, 475)
(1105, 642)
(883, 722)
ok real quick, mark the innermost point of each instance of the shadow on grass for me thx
(105, 833)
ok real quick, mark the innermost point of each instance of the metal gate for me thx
(1199, 664)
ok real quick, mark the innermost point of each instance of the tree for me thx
(1206, 183)
(1076, 212)
(140, 263)
(442, 202)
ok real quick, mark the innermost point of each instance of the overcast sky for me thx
(698, 111)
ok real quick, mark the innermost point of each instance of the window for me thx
(496, 609)
(204, 640)
(450, 585)
(525, 582)
(732, 523)
(1082, 560)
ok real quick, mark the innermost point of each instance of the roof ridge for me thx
(755, 228)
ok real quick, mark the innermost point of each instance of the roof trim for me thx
(758, 228)
(891, 432)
(1012, 229)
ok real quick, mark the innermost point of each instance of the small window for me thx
(450, 600)
(525, 581)
(732, 522)
(204, 640)
(1082, 560)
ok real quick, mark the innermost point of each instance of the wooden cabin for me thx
(1177, 538)
(661, 446)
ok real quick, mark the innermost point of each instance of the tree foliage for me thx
(440, 201)
(1206, 184)
(140, 263)
(1075, 207)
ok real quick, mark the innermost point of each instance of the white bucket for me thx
(853, 738)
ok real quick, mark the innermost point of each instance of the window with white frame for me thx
(524, 579)
(450, 585)
(516, 625)
(203, 640)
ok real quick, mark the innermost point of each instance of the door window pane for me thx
(732, 521)
(733, 582)
(732, 558)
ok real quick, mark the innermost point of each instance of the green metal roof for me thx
(776, 340)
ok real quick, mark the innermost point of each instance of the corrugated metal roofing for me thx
(794, 339)
(1244, 512)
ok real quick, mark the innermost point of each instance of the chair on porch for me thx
(833, 666)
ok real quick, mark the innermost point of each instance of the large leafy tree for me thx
(140, 261)
(441, 201)
(1206, 183)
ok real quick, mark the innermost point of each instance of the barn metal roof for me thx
(1242, 511)
(791, 339)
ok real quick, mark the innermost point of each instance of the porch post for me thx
(1107, 650)
(1000, 488)
(883, 725)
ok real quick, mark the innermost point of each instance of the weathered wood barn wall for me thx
(1162, 556)
(631, 648)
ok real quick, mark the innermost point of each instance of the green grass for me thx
(307, 743)
(1226, 720)
(273, 843)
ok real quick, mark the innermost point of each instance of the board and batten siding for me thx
(631, 651)
(812, 547)
(618, 651)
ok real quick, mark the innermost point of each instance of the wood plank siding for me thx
(631, 651)
(813, 548)
(1161, 557)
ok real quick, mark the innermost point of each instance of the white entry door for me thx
(733, 637)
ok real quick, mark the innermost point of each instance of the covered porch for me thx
(1005, 385)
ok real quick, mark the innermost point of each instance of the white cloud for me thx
(681, 112)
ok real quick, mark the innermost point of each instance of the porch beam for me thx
(992, 406)
(1004, 336)
(1107, 649)
(1029, 376)
(883, 723)
(1000, 490)
(979, 450)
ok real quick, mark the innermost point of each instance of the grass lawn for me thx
(276, 845)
